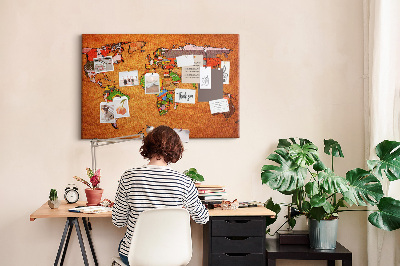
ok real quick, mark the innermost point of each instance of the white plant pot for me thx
(54, 204)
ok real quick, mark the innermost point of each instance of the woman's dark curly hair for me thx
(162, 142)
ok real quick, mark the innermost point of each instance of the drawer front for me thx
(236, 227)
(237, 245)
(237, 259)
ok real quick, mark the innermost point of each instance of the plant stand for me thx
(275, 251)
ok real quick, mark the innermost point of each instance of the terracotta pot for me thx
(93, 196)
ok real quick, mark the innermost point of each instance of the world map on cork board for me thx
(188, 82)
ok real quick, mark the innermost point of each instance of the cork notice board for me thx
(185, 81)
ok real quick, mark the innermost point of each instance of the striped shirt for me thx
(151, 187)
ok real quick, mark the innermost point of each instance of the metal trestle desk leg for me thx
(71, 221)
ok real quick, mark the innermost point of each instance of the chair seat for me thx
(117, 262)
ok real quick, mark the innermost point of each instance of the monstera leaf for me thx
(276, 208)
(286, 177)
(364, 188)
(388, 216)
(334, 147)
(331, 183)
(304, 155)
(388, 153)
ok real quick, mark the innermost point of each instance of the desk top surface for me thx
(250, 211)
(62, 212)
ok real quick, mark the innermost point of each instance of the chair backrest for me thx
(161, 237)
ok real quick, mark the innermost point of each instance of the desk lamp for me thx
(94, 143)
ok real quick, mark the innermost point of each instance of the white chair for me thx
(162, 237)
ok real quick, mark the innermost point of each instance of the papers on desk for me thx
(91, 209)
(211, 193)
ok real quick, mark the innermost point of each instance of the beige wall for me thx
(301, 75)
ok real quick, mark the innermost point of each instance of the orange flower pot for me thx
(93, 196)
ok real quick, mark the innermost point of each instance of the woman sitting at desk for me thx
(155, 186)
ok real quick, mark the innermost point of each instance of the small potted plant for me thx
(53, 201)
(194, 175)
(320, 194)
(93, 193)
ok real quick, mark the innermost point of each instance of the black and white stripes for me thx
(151, 187)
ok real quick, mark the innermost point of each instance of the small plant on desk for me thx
(93, 177)
(194, 175)
(53, 202)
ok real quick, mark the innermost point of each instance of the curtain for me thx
(382, 18)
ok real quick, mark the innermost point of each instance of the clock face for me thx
(71, 196)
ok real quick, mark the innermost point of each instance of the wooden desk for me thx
(304, 252)
(235, 237)
(246, 220)
(72, 219)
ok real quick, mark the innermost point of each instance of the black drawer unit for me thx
(234, 241)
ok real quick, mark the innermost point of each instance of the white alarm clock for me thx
(71, 194)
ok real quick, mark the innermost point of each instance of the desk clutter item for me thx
(228, 205)
(211, 195)
(71, 194)
(90, 209)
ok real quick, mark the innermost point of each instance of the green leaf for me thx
(333, 146)
(332, 183)
(388, 153)
(276, 208)
(292, 222)
(317, 213)
(364, 188)
(320, 201)
(388, 216)
(311, 189)
(306, 206)
(319, 166)
(304, 155)
(287, 176)
(317, 201)
(284, 143)
(193, 174)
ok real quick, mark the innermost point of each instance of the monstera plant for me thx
(320, 194)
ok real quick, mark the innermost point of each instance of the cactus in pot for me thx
(53, 202)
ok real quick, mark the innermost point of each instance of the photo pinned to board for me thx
(107, 112)
(121, 107)
(152, 83)
(103, 64)
(128, 78)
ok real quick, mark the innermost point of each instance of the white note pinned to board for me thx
(219, 106)
(185, 60)
(185, 96)
(205, 77)
(226, 67)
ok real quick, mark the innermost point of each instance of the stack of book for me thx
(211, 194)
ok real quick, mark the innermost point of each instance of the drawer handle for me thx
(236, 237)
(237, 254)
(237, 221)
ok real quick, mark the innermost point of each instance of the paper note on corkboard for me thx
(129, 83)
